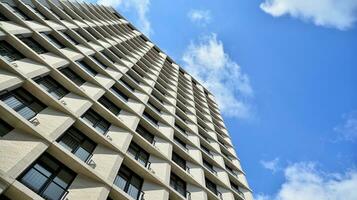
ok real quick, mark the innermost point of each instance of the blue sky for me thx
(284, 72)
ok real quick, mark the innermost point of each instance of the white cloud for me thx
(141, 7)
(207, 61)
(272, 165)
(201, 17)
(348, 130)
(340, 14)
(303, 181)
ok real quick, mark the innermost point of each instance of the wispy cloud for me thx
(340, 14)
(303, 181)
(207, 61)
(348, 129)
(201, 17)
(140, 7)
(272, 165)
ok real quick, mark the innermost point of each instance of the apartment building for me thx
(91, 109)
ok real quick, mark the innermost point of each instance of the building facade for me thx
(91, 109)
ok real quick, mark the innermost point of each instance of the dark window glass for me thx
(211, 186)
(34, 45)
(139, 154)
(179, 160)
(119, 94)
(145, 133)
(178, 184)
(35, 10)
(76, 142)
(23, 103)
(3, 18)
(87, 68)
(58, 16)
(111, 50)
(180, 128)
(97, 121)
(52, 87)
(209, 166)
(48, 178)
(109, 105)
(83, 36)
(68, 37)
(5, 128)
(70, 74)
(19, 13)
(150, 118)
(99, 62)
(162, 92)
(92, 33)
(205, 149)
(154, 107)
(129, 182)
(127, 85)
(108, 57)
(180, 142)
(9, 53)
(53, 40)
(156, 97)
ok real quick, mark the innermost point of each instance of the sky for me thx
(284, 74)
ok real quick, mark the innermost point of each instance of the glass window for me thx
(9, 53)
(154, 107)
(68, 37)
(129, 182)
(76, 142)
(180, 142)
(48, 178)
(178, 184)
(211, 186)
(87, 68)
(119, 93)
(179, 160)
(5, 128)
(53, 40)
(20, 13)
(108, 57)
(23, 103)
(52, 86)
(97, 121)
(99, 62)
(150, 118)
(109, 105)
(145, 133)
(34, 45)
(71, 75)
(127, 85)
(3, 18)
(139, 153)
(35, 10)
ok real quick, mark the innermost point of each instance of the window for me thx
(68, 37)
(129, 182)
(109, 105)
(52, 86)
(99, 62)
(145, 133)
(71, 75)
(180, 128)
(150, 118)
(178, 184)
(127, 85)
(92, 33)
(180, 142)
(97, 121)
(9, 53)
(35, 10)
(154, 107)
(5, 128)
(77, 143)
(157, 98)
(34, 45)
(211, 186)
(179, 160)
(205, 149)
(108, 57)
(53, 40)
(23, 103)
(237, 189)
(19, 13)
(83, 36)
(57, 15)
(3, 18)
(139, 154)
(209, 166)
(119, 94)
(87, 68)
(48, 178)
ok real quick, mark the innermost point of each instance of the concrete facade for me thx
(178, 113)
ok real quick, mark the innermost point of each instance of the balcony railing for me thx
(90, 162)
(185, 148)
